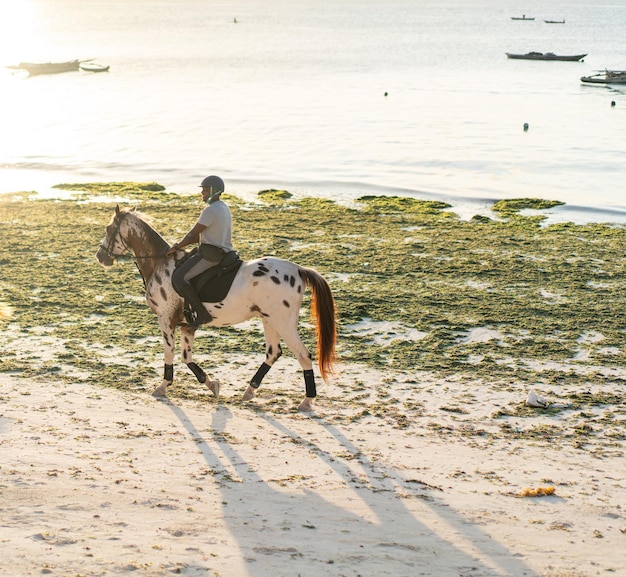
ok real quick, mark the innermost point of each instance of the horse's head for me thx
(115, 241)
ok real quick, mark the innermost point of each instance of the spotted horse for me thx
(268, 287)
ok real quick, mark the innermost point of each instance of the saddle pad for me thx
(213, 285)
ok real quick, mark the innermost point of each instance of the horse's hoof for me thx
(306, 406)
(249, 394)
(160, 391)
(214, 387)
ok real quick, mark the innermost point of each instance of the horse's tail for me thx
(323, 312)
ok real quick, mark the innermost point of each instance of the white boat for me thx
(94, 67)
(34, 68)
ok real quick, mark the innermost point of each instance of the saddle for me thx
(213, 284)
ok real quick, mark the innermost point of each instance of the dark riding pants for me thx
(207, 257)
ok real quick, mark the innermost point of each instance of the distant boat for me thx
(522, 17)
(545, 56)
(94, 67)
(34, 68)
(555, 21)
(606, 77)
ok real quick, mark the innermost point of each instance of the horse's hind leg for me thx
(273, 351)
(293, 341)
(187, 336)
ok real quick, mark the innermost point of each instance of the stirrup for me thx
(189, 314)
(198, 323)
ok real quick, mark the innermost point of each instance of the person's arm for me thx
(191, 237)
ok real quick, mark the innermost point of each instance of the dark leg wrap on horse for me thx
(255, 383)
(196, 370)
(168, 373)
(309, 382)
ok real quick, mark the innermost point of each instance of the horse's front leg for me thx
(168, 333)
(187, 336)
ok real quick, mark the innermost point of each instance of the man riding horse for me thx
(213, 231)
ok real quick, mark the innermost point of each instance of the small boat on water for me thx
(522, 17)
(555, 21)
(94, 67)
(34, 68)
(545, 56)
(606, 77)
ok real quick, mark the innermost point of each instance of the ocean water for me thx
(333, 98)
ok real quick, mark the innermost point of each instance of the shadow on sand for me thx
(373, 524)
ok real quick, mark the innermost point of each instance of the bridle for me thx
(116, 236)
(111, 239)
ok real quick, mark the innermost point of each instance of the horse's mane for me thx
(152, 235)
(140, 215)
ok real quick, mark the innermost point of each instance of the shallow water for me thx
(320, 98)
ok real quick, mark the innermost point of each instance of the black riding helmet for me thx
(214, 182)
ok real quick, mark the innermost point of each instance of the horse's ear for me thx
(117, 209)
(133, 209)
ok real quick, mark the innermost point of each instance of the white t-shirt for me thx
(219, 226)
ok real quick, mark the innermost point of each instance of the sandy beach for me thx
(422, 457)
(96, 481)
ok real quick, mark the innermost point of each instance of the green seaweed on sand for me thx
(112, 188)
(403, 204)
(416, 287)
(274, 196)
(511, 206)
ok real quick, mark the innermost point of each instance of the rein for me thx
(134, 256)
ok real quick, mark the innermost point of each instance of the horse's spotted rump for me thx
(275, 279)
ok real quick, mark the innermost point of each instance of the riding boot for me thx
(202, 315)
